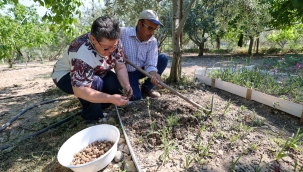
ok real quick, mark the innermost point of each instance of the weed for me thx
(296, 165)
(257, 121)
(140, 140)
(172, 120)
(258, 168)
(234, 138)
(152, 124)
(198, 113)
(219, 134)
(280, 154)
(214, 122)
(188, 161)
(242, 108)
(202, 151)
(200, 159)
(243, 127)
(202, 128)
(233, 164)
(226, 107)
(167, 145)
(294, 141)
(253, 147)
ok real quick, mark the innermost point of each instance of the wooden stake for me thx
(248, 94)
(213, 83)
(301, 121)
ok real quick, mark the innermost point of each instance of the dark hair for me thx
(105, 27)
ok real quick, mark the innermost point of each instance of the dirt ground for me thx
(238, 135)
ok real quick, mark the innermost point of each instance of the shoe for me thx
(150, 93)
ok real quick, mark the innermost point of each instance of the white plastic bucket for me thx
(81, 140)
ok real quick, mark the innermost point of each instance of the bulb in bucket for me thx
(86, 138)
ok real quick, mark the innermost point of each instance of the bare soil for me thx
(233, 137)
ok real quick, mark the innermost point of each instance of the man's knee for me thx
(162, 58)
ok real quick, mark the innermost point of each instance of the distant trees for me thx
(21, 28)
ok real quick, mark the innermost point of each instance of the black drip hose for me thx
(4, 126)
(40, 131)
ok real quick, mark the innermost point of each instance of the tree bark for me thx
(251, 43)
(258, 41)
(175, 73)
(218, 42)
(201, 48)
(11, 60)
(240, 42)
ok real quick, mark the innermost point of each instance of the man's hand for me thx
(155, 79)
(127, 91)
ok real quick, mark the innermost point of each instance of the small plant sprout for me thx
(214, 122)
(253, 147)
(188, 161)
(167, 145)
(257, 121)
(202, 128)
(295, 140)
(233, 164)
(152, 124)
(202, 150)
(226, 107)
(258, 168)
(242, 108)
(234, 138)
(172, 120)
(140, 140)
(296, 165)
(282, 153)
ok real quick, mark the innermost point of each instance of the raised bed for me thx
(250, 94)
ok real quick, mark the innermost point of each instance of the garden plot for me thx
(169, 134)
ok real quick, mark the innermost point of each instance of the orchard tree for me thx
(128, 11)
(177, 27)
(252, 19)
(290, 35)
(211, 18)
(21, 28)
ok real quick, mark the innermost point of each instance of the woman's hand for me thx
(119, 100)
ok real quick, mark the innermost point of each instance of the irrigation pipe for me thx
(4, 126)
(40, 131)
(128, 143)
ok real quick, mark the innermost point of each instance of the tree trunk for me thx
(257, 50)
(251, 43)
(11, 60)
(175, 72)
(201, 48)
(240, 42)
(218, 42)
